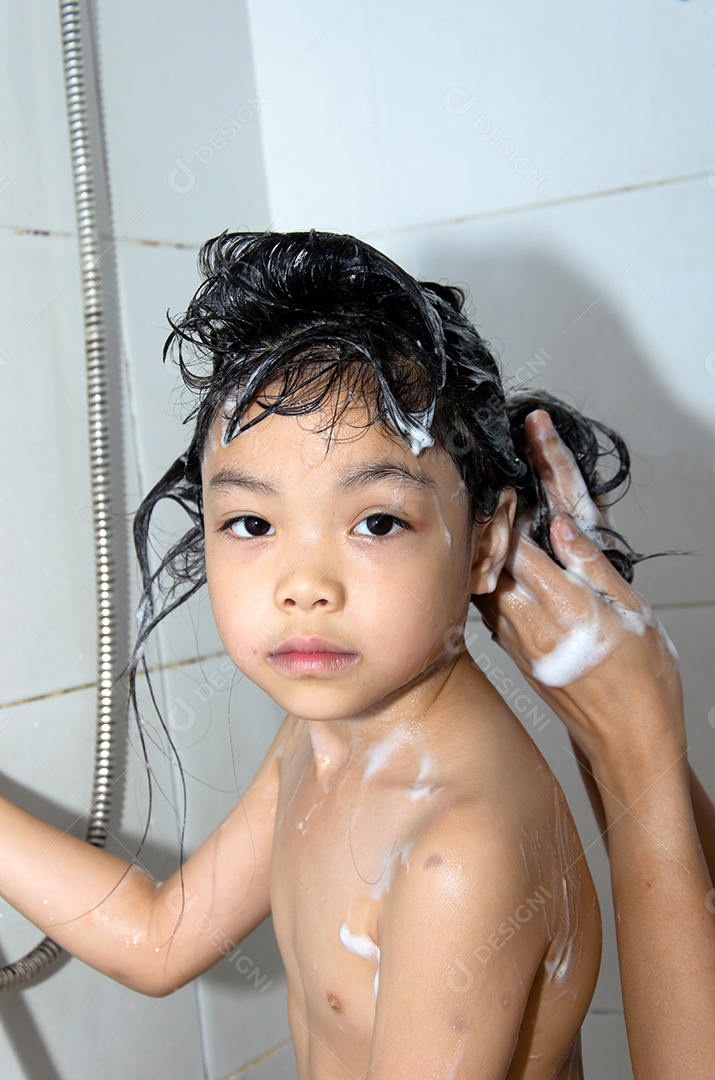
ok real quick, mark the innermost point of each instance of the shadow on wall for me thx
(24, 1034)
(552, 329)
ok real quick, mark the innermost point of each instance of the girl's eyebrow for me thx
(375, 471)
(370, 473)
(231, 478)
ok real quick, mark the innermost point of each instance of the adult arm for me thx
(150, 936)
(626, 714)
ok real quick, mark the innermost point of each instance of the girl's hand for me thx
(585, 639)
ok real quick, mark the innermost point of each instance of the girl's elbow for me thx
(150, 980)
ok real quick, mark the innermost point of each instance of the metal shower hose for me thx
(25, 969)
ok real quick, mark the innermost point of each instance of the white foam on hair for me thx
(227, 410)
(415, 434)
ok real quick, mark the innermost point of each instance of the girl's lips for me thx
(311, 656)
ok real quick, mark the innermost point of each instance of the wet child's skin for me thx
(429, 892)
(414, 815)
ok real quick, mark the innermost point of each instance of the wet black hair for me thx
(295, 322)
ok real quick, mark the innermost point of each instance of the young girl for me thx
(351, 486)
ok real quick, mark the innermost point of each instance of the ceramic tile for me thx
(279, 1066)
(605, 1048)
(461, 111)
(182, 114)
(47, 561)
(511, 110)
(35, 175)
(77, 1023)
(222, 725)
(152, 280)
(320, 139)
(244, 1005)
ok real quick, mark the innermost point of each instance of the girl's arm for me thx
(150, 936)
(626, 713)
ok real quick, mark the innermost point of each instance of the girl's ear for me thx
(491, 544)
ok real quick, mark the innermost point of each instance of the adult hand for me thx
(585, 639)
(591, 647)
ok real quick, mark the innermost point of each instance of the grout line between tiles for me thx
(155, 670)
(416, 226)
(258, 1061)
(586, 196)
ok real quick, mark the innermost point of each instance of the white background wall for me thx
(555, 159)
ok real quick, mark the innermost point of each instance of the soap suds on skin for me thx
(582, 509)
(362, 945)
(587, 644)
(379, 755)
(422, 788)
(389, 865)
(302, 826)
(579, 652)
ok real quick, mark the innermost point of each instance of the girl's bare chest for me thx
(326, 902)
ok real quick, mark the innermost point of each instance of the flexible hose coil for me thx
(29, 966)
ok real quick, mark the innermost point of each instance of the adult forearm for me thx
(665, 928)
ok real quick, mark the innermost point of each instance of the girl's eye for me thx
(249, 526)
(381, 525)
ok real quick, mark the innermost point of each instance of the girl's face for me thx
(339, 573)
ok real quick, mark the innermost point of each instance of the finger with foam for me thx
(562, 480)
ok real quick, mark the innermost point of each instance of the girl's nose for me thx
(306, 584)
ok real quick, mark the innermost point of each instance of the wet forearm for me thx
(665, 928)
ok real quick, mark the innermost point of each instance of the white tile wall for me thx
(154, 279)
(321, 143)
(167, 92)
(183, 111)
(275, 1066)
(605, 1048)
(46, 520)
(35, 179)
(384, 117)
